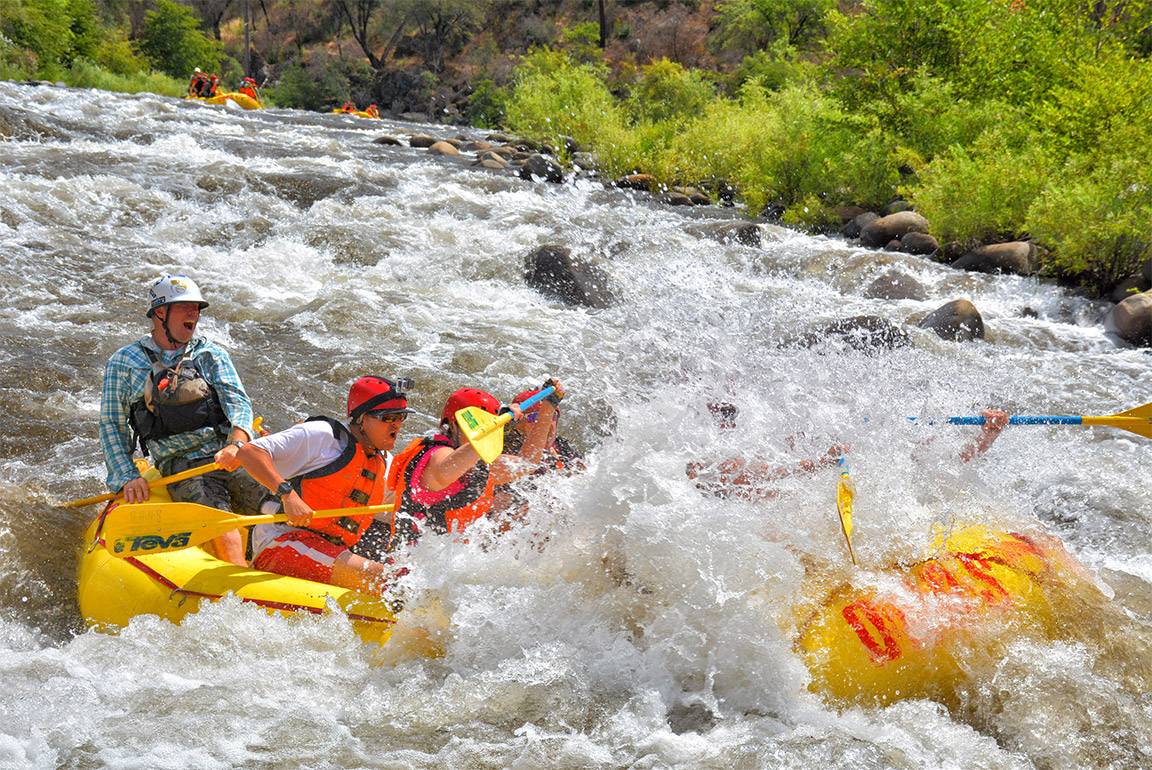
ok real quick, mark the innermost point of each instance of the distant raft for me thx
(243, 100)
(173, 585)
(920, 632)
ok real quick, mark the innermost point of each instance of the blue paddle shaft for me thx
(532, 401)
(1019, 420)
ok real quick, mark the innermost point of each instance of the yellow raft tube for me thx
(172, 585)
(923, 630)
(244, 100)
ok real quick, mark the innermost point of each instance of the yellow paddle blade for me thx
(146, 528)
(482, 431)
(1137, 420)
(844, 507)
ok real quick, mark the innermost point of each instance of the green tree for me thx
(754, 25)
(172, 42)
(41, 28)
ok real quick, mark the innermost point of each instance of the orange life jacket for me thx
(471, 499)
(352, 480)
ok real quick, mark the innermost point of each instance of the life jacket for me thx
(352, 480)
(177, 399)
(469, 498)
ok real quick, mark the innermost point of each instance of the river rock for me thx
(896, 285)
(1133, 284)
(920, 244)
(387, 139)
(584, 160)
(642, 182)
(552, 271)
(1131, 319)
(673, 198)
(848, 213)
(895, 207)
(422, 141)
(700, 199)
(443, 148)
(745, 233)
(892, 227)
(1018, 258)
(858, 223)
(958, 321)
(499, 138)
(539, 166)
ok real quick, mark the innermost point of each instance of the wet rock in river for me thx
(892, 227)
(958, 321)
(1018, 258)
(896, 285)
(1132, 319)
(554, 272)
(537, 165)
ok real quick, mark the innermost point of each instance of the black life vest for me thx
(176, 400)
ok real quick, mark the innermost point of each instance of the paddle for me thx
(146, 528)
(1138, 420)
(151, 485)
(844, 504)
(480, 427)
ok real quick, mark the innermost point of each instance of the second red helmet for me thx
(375, 394)
(466, 397)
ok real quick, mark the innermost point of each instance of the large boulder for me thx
(853, 228)
(1018, 258)
(536, 165)
(1130, 286)
(920, 244)
(1132, 319)
(896, 285)
(552, 271)
(958, 321)
(892, 227)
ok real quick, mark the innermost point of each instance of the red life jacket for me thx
(352, 480)
(471, 499)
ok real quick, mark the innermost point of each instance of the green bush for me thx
(554, 96)
(982, 193)
(1097, 216)
(172, 42)
(38, 35)
(87, 74)
(315, 85)
(486, 105)
(666, 91)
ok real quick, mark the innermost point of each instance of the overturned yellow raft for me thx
(922, 631)
(243, 100)
(172, 585)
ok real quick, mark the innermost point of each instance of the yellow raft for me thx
(922, 631)
(357, 113)
(244, 100)
(172, 585)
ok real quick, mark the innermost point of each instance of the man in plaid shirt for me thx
(210, 426)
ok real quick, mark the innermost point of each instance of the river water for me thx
(633, 621)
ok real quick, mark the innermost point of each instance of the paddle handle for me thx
(175, 477)
(329, 513)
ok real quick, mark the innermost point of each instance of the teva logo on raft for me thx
(151, 542)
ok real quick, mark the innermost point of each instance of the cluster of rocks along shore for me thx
(554, 271)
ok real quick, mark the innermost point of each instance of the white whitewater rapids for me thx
(633, 621)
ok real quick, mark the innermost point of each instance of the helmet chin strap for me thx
(356, 426)
(176, 344)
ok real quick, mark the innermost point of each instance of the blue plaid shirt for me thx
(124, 379)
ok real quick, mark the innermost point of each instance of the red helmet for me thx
(466, 397)
(250, 80)
(375, 394)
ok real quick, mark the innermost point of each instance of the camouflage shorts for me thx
(237, 491)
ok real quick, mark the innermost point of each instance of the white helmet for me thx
(173, 288)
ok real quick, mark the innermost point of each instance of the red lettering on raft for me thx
(882, 648)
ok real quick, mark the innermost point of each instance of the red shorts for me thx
(300, 554)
